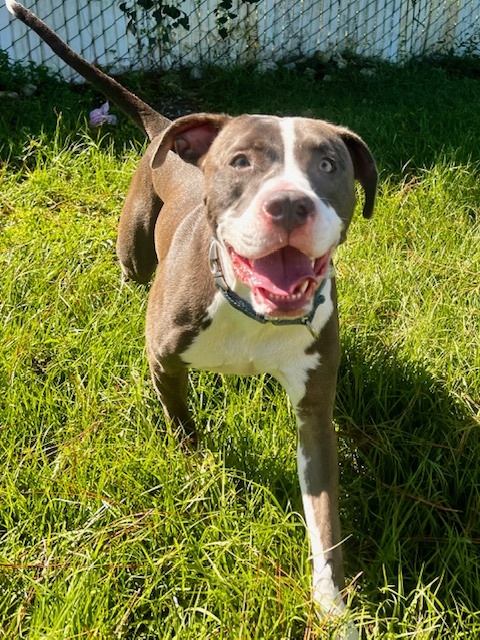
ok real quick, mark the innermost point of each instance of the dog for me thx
(240, 218)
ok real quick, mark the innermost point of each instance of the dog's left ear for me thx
(364, 165)
(190, 137)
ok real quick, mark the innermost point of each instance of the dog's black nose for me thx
(289, 209)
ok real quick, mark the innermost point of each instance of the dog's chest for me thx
(234, 343)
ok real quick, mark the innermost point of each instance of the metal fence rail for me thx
(393, 30)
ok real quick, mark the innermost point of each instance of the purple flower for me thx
(99, 116)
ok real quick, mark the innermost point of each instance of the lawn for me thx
(107, 528)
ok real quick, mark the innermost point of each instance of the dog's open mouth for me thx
(284, 282)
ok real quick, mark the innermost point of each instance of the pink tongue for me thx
(282, 271)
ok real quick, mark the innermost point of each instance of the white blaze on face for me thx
(327, 225)
(291, 168)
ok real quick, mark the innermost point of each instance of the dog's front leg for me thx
(318, 475)
(170, 380)
(312, 390)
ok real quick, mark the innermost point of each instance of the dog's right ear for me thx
(190, 137)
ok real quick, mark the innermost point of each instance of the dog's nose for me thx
(289, 209)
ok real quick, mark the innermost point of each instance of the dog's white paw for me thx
(343, 631)
(332, 606)
(349, 633)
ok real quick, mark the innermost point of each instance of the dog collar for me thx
(240, 304)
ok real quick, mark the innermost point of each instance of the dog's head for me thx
(279, 195)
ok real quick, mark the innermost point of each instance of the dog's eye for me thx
(327, 165)
(240, 162)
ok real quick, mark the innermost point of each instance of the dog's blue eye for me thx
(327, 165)
(240, 162)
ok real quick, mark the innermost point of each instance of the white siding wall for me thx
(393, 30)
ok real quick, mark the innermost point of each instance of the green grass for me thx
(108, 530)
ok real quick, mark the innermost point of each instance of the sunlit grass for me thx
(109, 530)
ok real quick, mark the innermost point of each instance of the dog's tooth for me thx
(304, 286)
(291, 297)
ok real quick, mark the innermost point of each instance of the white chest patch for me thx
(234, 343)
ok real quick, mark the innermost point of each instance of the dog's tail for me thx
(140, 112)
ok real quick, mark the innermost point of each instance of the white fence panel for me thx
(97, 30)
(393, 30)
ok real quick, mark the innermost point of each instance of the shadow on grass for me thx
(410, 476)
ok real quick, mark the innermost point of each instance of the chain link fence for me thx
(262, 32)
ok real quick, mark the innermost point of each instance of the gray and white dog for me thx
(240, 218)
